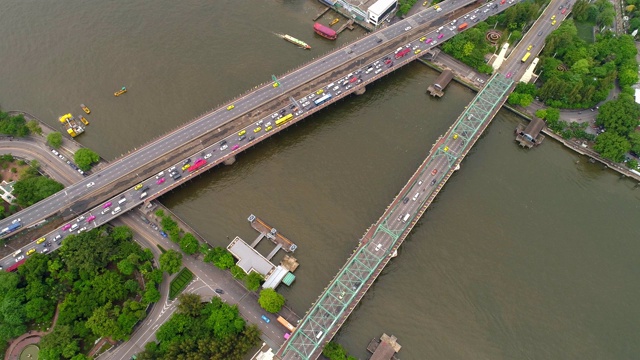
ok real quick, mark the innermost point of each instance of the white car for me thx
(207, 156)
(378, 247)
(55, 152)
(90, 184)
(407, 28)
(224, 147)
(21, 257)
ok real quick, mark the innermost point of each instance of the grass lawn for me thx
(585, 31)
(180, 282)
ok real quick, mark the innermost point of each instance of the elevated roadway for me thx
(381, 241)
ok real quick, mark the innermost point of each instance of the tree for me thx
(237, 272)
(634, 139)
(54, 139)
(612, 146)
(122, 233)
(190, 304)
(126, 267)
(13, 125)
(334, 351)
(104, 322)
(85, 158)
(541, 113)
(619, 116)
(151, 294)
(171, 261)
(252, 281)
(271, 301)
(189, 244)
(34, 127)
(31, 190)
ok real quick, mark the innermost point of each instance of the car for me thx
(265, 319)
(275, 85)
(208, 155)
(348, 87)
(55, 152)
(116, 210)
(66, 227)
(433, 182)
(91, 218)
(320, 91)
(455, 136)
(105, 211)
(235, 147)
(80, 218)
(353, 79)
(553, 22)
(242, 132)
(268, 128)
(62, 157)
(15, 221)
(502, 2)
(417, 51)
(223, 142)
(407, 28)
(434, 42)
(529, 47)
(44, 250)
(137, 187)
(163, 234)
(90, 184)
(311, 96)
(160, 181)
(509, 75)
(388, 61)
(30, 251)
(230, 107)
(80, 171)
(160, 174)
(419, 182)
(539, 32)
(563, 11)
(378, 247)
(446, 148)
(434, 171)
(251, 138)
(428, 40)
(41, 240)
(240, 138)
(82, 229)
(224, 147)
(257, 129)
(423, 39)
(57, 237)
(341, 296)
(553, 17)
(186, 166)
(440, 36)
(21, 257)
(219, 291)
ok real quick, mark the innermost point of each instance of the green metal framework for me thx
(336, 301)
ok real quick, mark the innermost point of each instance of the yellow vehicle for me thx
(446, 148)
(436, 6)
(553, 22)
(425, 3)
(275, 85)
(186, 166)
(526, 56)
(257, 129)
(417, 51)
(553, 17)
(41, 240)
(242, 132)
(268, 128)
(529, 47)
(319, 91)
(138, 187)
(85, 108)
(230, 107)
(455, 136)
(31, 251)
(284, 119)
(422, 39)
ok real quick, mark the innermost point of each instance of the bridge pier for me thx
(230, 160)
(360, 90)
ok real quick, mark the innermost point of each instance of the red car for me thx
(353, 79)
(509, 74)
(160, 181)
(564, 11)
(502, 2)
(388, 61)
(435, 171)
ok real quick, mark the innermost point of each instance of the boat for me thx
(85, 108)
(335, 21)
(120, 92)
(71, 124)
(325, 31)
(84, 120)
(293, 40)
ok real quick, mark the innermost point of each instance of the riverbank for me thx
(470, 80)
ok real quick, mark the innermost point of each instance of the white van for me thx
(415, 197)
(319, 334)
(121, 201)
(115, 211)
(405, 218)
(143, 195)
(330, 85)
(73, 227)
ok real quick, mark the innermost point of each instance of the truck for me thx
(10, 228)
(462, 26)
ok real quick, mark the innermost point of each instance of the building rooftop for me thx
(249, 259)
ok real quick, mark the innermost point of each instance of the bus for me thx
(286, 324)
(526, 56)
(284, 119)
(321, 100)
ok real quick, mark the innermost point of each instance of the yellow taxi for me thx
(553, 17)
(41, 240)
(230, 107)
(529, 47)
(186, 166)
(417, 51)
(268, 128)
(422, 39)
(257, 129)
(138, 187)
(242, 132)
(553, 22)
(275, 85)
(425, 3)
(319, 91)
(31, 251)
(446, 148)
(455, 136)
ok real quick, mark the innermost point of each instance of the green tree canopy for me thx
(13, 125)
(85, 158)
(54, 139)
(189, 244)
(612, 146)
(271, 301)
(34, 127)
(253, 280)
(171, 261)
(33, 189)
(619, 116)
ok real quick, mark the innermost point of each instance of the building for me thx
(6, 190)
(530, 136)
(380, 10)
(437, 89)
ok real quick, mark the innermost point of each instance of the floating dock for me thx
(71, 124)
(384, 349)
(272, 234)
(437, 89)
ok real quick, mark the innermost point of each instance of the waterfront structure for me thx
(530, 136)
(437, 89)
(380, 10)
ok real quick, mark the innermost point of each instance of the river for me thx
(525, 254)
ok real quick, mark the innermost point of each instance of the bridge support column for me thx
(360, 91)
(230, 161)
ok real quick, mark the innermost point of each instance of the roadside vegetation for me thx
(54, 139)
(15, 125)
(404, 6)
(85, 158)
(198, 330)
(335, 351)
(271, 301)
(179, 283)
(100, 281)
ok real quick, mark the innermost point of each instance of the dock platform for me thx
(321, 13)
(385, 348)
(348, 25)
(272, 234)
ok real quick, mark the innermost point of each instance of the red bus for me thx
(198, 164)
(402, 53)
(15, 266)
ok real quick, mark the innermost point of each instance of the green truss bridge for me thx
(381, 241)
